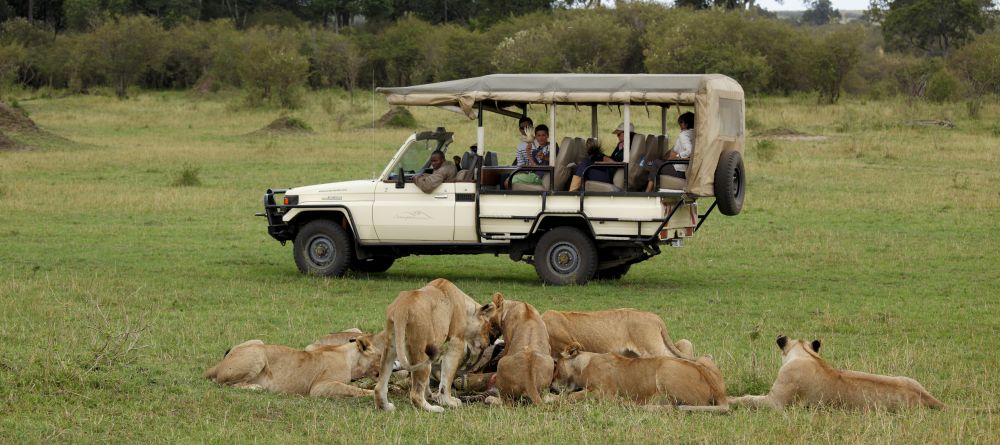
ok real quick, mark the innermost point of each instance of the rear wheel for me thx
(730, 183)
(323, 248)
(612, 273)
(375, 264)
(565, 255)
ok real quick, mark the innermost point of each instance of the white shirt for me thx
(683, 147)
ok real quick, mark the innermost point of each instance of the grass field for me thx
(119, 288)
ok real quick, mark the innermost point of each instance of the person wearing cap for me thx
(682, 150)
(595, 156)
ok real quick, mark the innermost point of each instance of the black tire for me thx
(375, 264)
(730, 183)
(612, 273)
(565, 255)
(323, 248)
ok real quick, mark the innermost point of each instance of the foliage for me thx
(931, 26)
(334, 60)
(568, 41)
(820, 12)
(188, 176)
(978, 63)
(123, 49)
(942, 86)
(12, 55)
(270, 66)
(835, 57)
(707, 42)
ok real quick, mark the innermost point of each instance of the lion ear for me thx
(815, 346)
(364, 343)
(572, 350)
(782, 341)
(498, 300)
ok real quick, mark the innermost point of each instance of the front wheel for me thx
(565, 255)
(323, 248)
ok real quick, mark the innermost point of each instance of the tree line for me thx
(275, 54)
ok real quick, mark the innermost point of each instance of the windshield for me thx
(416, 156)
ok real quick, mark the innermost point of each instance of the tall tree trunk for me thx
(31, 10)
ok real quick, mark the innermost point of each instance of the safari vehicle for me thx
(597, 232)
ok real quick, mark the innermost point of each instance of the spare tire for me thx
(730, 183)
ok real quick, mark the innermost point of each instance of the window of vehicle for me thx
(730, 118)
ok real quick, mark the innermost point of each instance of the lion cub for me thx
(526, 366)
(326, 371)
(692, 385)
(806, 379)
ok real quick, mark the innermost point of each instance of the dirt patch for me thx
(8, 144)
(285, 125)
(15, 120)
(397, 117)
(787, 134)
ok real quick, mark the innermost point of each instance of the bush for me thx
(11, 57)
(187, 177)
(565, 41)
(270, 67)
(978, 64)
(835, 55)
(124, 48)
(942, 86)
(333, 59)
(707, 42)
(190, 55)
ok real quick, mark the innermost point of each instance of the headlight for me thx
(291, 200)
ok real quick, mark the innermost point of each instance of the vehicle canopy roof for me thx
(715, 96)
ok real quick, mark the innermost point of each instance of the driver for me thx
(443, 172)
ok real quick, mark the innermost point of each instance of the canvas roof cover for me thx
(715, 96)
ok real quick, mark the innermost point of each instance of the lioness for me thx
(806, 379)
(336, 338)
(693, 385)
(324, 371)
(622, 331)
(418, 323)
(526, 366)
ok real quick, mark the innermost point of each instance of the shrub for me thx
(187, 177)
(835, 56)
(270, 67)
(333, 59)
(189, 55)
(124, 48)
(942, 86)
(565, 41)
(766, 150)
(707, 42)
(978, 64)
(11, 57)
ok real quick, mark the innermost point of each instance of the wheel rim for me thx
(564, 258)
(736, 183)
(321, 250)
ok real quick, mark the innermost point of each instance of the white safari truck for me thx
(597, 232)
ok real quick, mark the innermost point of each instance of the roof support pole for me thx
(663, 119)
(626, 111)
(480, 133)
(593, 121)
(552, 134)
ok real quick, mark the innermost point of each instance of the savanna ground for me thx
(118, 288)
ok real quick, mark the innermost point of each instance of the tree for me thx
(124, 48)
(693, 4)
(836, 55)
(933, 27)
(820, 12)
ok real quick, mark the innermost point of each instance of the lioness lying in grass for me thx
(325, 371)
(806, 379)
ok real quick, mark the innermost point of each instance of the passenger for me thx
(595, 156)
(523, 153)
(682, 150)
(443, 172)
(538, 156)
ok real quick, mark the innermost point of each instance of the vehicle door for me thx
(408, 215)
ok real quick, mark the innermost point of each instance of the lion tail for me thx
(670, 344)
(931, 402)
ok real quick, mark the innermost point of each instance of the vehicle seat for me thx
(668, 182)
(617, 183)
(571, 151)
(636, 152)
(468, 160)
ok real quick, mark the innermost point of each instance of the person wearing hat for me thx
(595, 156)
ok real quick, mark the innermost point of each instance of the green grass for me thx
(117, 289)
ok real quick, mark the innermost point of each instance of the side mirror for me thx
(401, 179)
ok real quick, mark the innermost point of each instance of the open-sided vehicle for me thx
(570, 237)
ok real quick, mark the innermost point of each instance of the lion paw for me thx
(449, 401)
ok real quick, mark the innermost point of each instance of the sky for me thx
(847, 5)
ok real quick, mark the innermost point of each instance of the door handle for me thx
(440, 196)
